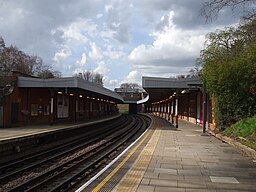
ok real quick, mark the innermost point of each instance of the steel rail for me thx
(56, 153)
(17, 172)
(114, 141)
(11, 163)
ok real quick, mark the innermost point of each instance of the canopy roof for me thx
(162, 88)
(68, 82)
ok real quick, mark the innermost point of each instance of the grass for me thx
(243, 131)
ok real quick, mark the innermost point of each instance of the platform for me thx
(170, 159)
(24, 131)
(19, 141)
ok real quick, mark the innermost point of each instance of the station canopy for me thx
(162, 88)
(72, 84)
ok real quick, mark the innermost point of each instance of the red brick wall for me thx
(33, 102)
(24, 97)
(41, 98)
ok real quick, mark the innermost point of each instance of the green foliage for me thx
(244, 130)
(229, 70)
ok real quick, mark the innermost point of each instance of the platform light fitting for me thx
(184, 91)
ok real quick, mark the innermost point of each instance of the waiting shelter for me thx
(31, 100)
(174, 98)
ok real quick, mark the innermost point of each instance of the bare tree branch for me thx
(91, 77)
(11, 58)
(211, 9)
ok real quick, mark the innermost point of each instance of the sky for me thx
(121, 39)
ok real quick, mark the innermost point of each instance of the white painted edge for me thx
(112, 162)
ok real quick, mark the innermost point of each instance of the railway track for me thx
(67, 165)
(10, 169)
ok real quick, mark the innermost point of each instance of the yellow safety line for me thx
(134, 176)
(100, 185)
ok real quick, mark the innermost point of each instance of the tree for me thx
(229, 70)
(135, 86)
(196, 71)
(91, 77)
(181, 76)
(47, 74)
(2, 44)
(212, 8)
(98, 78)
(130, 86)
(88, 75)
(12, 59)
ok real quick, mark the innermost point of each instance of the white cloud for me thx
(113, 82)
(77, 31)
(112, 54)
(95, 53)
(99, 35)
(107, 35)
(118, 15)
(133, 77)
(101, 68)
(171, 50)
(83, 60)
(62, 55)
(108, 8)
(79, 66)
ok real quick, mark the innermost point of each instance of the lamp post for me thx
(204, 109)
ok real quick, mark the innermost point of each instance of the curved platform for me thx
(170, 159)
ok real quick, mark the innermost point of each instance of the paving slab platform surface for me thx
(170, 159)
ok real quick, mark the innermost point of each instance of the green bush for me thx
(229, 70)
(244, 131)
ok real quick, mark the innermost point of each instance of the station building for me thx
(131, 97)
(27, 100)
(174, 99)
